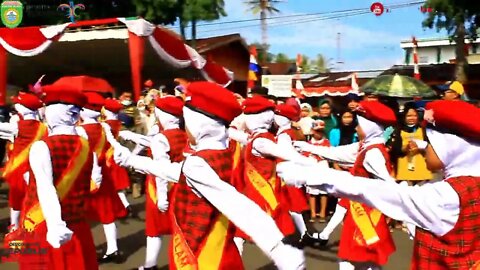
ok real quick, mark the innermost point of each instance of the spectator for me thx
(410, 161)
(353, 101)
(325, 114)
(453, 91)
(345, 133)
(306, 120)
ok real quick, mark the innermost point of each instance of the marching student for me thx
(294, 198)
(104, 204)
(365, 239)
(204, 201)
(54, 208)
(444, 212)
(25, 132)
(119, 175)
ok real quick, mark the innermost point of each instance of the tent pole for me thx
(3, 76)
(136, 46)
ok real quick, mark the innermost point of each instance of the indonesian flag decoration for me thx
(31, 41)
(253, 68)
(297, 91)
(416, 69)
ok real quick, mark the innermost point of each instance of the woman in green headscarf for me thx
(325, 114)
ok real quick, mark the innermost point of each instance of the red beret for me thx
(290, 112)
(171, 105)
(377, 112)
(94, 101)
(113, 105)
(64, 94)
(213, 100)
(257, 104)
(455, 117)
(28, 100)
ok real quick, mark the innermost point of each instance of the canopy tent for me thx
(33, 41)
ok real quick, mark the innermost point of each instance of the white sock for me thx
(123, 198)
(239, 242)
(14, 218)
(344, 265)
(111, 236)
(299, 222)
(153, 249)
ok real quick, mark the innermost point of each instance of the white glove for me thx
(134, 137)
(162, 204)
(58, 235)
(302, 146)
(297, 175)
(287, 257)
(324, 236)
(121, 155)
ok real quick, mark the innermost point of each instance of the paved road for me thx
(132, 242)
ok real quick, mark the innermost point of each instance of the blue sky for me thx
(368, 41)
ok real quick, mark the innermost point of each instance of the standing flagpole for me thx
(253, 69)
(416, 68)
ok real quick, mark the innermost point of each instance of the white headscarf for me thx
(282, 122)
(168, 121)
(207, 132)
(62, 118)
(373, 132)
(259, 122)
(460, 157)
(89, 116)
(25, 112)
(109, 115)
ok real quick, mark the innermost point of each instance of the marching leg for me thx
(154, 245)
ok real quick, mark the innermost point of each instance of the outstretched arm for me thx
(9, 128)
(343, 154)
(267, 147)
(434, 207)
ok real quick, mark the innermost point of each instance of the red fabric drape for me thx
(3, 76)
(136, 46)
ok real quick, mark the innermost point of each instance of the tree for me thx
(263, 55)
(320, 64)
(263, 7)
(200, 10)
(283, 58)
(460, 18)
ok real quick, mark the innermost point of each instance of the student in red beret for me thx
(104, 204)
(445, 213)
(360, 220)
(23, 133)
(53, 213)
(119, 175)
(204, 200)
(295, 198)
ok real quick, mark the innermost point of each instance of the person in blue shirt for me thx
(345, 133)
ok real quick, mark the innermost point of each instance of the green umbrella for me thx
(397, 86)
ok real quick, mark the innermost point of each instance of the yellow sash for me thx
(16, 161)
(152, 190)
(34, 215)
(366, 223)
(262, 186)
(212, 252)
(237, 155)
(183, 257)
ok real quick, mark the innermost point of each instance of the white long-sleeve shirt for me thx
(432, 206)
(41, 165)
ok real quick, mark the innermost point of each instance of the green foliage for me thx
(283, 58)
(257, 6)
(448, 14)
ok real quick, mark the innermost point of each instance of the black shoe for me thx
(313, 242)
(115, 257)
(293, 240)
(132, 213)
